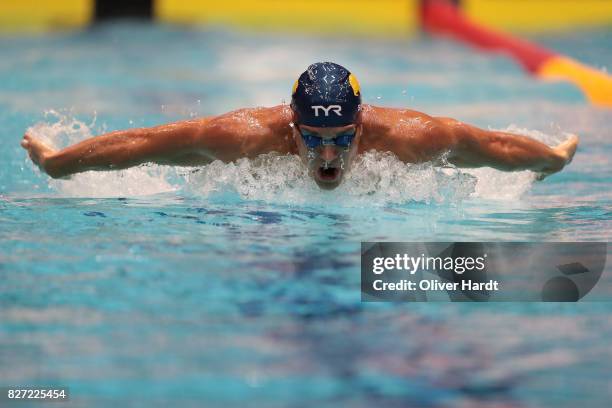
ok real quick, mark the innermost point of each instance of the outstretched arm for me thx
(474, 147)
(415, 137)
(172, 143)
(246, 132)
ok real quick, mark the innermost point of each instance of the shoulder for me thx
(253, 130)
(277, 135)
(383, 118)
(399, 123)
(276, 118)
(254, 118)
(411, 135)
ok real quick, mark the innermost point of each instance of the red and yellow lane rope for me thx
(443, 17)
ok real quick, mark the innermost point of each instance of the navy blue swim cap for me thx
(326, 95)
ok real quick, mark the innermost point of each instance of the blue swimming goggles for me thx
(312, 141)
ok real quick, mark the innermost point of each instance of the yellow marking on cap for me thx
(295, 86)
(354, 84)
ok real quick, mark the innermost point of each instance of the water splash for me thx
(497, 185)
(375, 178)
(62, 129)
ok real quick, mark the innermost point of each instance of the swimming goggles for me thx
(313, 141)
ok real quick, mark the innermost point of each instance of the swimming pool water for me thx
(238, 284)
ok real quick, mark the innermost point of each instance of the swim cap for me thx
(326, 95)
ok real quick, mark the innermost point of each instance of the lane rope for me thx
(442, 17)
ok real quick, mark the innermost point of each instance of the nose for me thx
(329, 153)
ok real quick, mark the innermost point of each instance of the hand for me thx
(38, 151)
(565, 151)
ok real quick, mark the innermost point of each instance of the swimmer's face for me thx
(327, 162)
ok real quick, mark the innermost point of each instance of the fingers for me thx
(571, 145)
(37, 150)
(565, 152)
(25, 142)
(567, 149)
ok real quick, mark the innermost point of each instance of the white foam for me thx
(375, 178)
(499, 185)
(62, 129)
(138, 181)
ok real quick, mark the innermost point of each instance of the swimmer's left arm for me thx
(474, 147)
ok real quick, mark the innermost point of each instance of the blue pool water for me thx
(238, 284)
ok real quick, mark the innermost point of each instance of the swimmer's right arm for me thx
(187, 143)
(117, 150)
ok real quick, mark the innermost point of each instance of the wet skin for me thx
(327, 163)
(413, 137)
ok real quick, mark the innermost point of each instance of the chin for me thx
(325, 185)
(328, 179)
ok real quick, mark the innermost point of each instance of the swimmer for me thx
(326, 125)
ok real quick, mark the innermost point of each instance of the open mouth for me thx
(328, 174)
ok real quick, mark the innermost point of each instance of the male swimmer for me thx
(326, 125)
